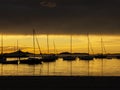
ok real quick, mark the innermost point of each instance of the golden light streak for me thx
(62, 43)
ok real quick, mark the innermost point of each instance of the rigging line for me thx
(1, 44)
(48, 52)
(88, 51)
(104, 47)
(101, 46)
(91, 48)
(102, 58)
(71, 50)
(38, 46)
(34, 49)
(34, 42)
(47, 44)
(88, 44)
(2, 53)
(54, 47)
(71, 43)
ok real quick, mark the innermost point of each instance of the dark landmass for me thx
(73, 53)
(20, 53)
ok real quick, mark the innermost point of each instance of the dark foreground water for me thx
(96, 67)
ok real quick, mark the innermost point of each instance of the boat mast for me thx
(71, 50)
(88, 52)
(88, 44)
(39, 46)
(54, 47)
(48, 52)
(101, 46)
(34, 49)
(71, 43)
(34, 42)
(55, 54)
(18, 56)
(1, 44)
(102, 58)
(47, 44)
(2, 52)
(17, 45)
(18, 50)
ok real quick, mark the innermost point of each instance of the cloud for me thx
(48, 4)
(64, 17)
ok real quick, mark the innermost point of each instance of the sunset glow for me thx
(62, 43)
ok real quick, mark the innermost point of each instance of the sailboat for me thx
(49, 57)
(32, 60)
(87, 57)
(2, 58)
(102, 48)
(14, 61)
(118, 56)
(69, 57)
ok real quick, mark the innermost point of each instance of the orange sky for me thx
(62, 43)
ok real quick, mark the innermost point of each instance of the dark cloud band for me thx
(60, 16)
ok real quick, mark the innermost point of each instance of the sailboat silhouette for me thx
(102, 49)
(69, 57)
(49, 57)
(2, 58)
(87, 57)
(15, 54)
(32, 60)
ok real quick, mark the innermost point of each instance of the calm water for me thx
(96, 67)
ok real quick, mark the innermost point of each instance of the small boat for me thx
(69, 57)
(109, 57)
(49, 58)
(2, 59)
(88, 57)
(100, 56)
(102, 49)
(31, 61)
(11, 62)
(118, 57)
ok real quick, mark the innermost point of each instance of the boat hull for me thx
(31, 61)
(69, 58)
(11, 62)
(49, 58)
(86, 58)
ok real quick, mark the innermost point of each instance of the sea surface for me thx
(96, 67)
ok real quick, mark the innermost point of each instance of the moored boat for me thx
(31, 61)
(70, 56)
(88, 57)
